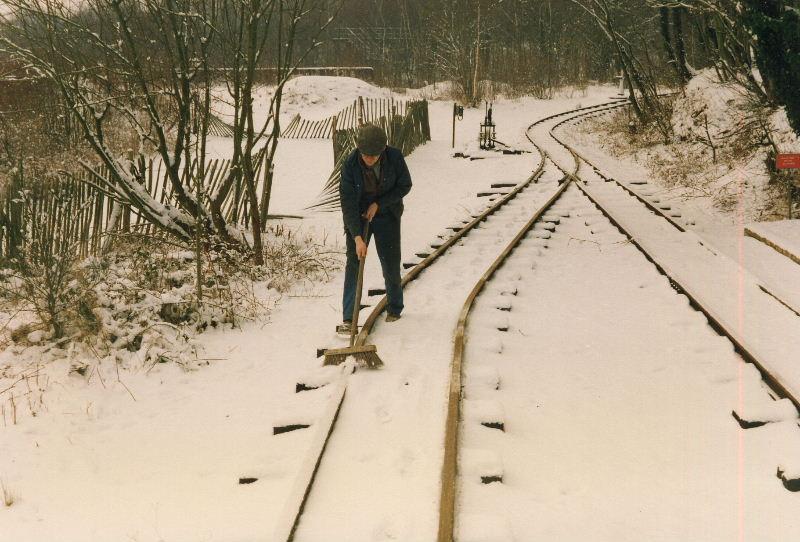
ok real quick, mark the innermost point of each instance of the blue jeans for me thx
(386, 229)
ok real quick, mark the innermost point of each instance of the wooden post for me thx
(269, 169)
(334, 124)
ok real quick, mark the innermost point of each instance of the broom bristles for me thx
(366, 355)
(370, 359)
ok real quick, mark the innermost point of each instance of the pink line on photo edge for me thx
(740, 220)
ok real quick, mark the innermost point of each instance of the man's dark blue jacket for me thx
(396, 184)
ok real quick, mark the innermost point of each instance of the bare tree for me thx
(147, 66)
(642, 84)
(258, 35)
(721, 30)
(671, 26)
(120, 62)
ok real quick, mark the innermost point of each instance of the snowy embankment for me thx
(157, 454)
(716, 165)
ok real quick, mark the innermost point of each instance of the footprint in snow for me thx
(404, 460)
(385, 531)
(383, 414)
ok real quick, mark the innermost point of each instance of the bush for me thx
(43, 273)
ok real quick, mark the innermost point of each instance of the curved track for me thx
(296, 504)
(664, 211)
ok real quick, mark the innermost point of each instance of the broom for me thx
(367, 353)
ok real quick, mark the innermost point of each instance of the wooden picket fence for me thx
(74, 209)
(404, 131)
(348, 118)
(218, 127)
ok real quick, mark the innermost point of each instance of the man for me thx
(375, 179)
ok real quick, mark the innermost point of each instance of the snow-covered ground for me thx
(160, 456)
(163, 461)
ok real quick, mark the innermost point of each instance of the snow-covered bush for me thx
(136, 308)
(296, 259)
(143, 293)
(721, 116)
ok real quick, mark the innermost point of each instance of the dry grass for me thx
(693, 168)
(8, 497)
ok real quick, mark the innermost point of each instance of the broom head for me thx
(367, 355)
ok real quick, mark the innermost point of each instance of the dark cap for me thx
(371, 140)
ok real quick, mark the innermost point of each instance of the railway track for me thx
(332, 496)
(599, 187)
(296, 504)
(740, 364)
(570, 419)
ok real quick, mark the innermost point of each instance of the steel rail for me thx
(450, 465)
(656, 210)
(739, 342)
(624, 186)
(449, 486)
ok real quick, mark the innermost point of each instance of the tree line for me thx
(538, 46)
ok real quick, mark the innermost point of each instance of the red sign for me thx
(789, 161)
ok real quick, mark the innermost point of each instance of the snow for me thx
(315, 97)
(767, 410)
(318, 97)
(610, 407)
(483, 528)
(475, 464)
(480, 382)
(483, 411)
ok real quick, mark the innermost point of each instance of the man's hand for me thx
(361, 248)
(371, 212)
